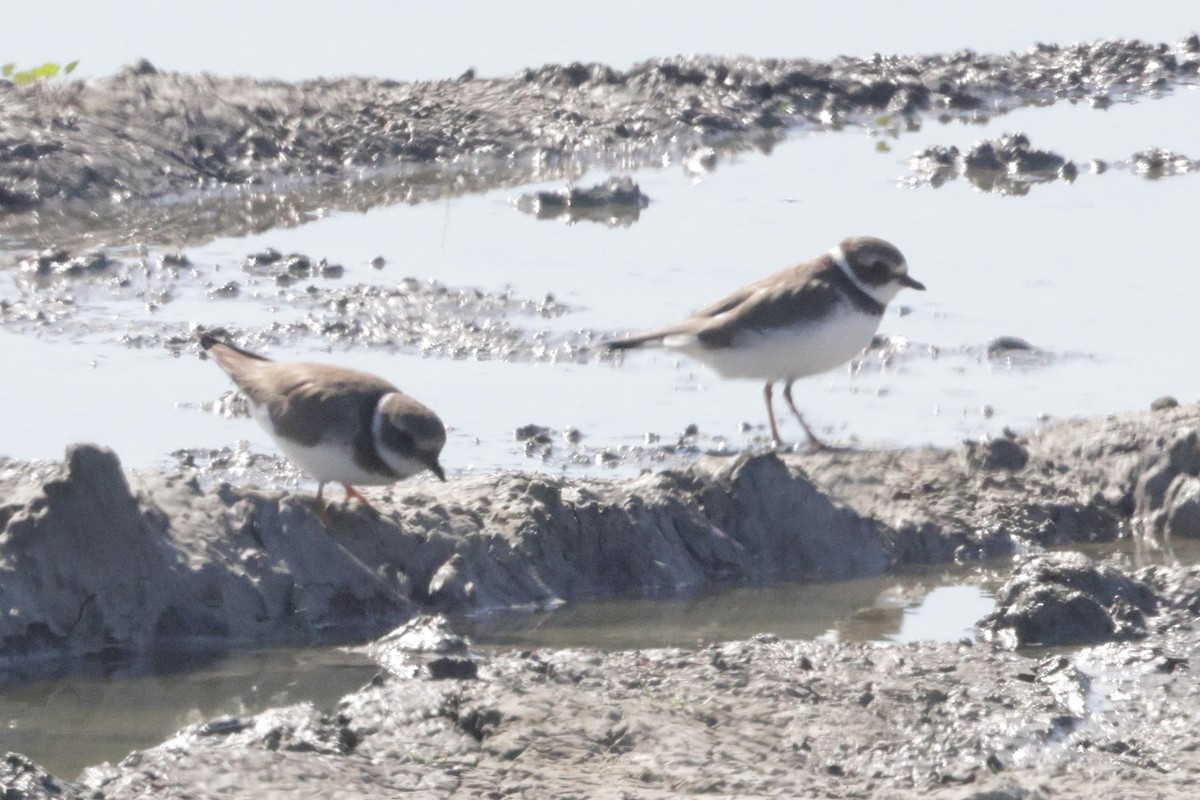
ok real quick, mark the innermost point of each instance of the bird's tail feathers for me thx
(208, 342)
(653, 339)
(229, 357)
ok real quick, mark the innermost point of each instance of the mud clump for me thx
(425, 642)
(22, 778)
(1008, 165)
(567, 447)
(618, 202)
(1067, 599)
(58, 263)
(288, 269)
(1167, 496)
(996, 454)
(1158, 163)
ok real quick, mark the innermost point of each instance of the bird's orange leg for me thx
(775, 440)
(813, 441)
(354, 494)
(319, 505)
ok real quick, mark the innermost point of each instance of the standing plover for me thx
(806, 319)
(335, 424)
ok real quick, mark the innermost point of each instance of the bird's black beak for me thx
(911, 282)
(436, 469)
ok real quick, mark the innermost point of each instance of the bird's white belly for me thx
(786, 353)
(329, 460)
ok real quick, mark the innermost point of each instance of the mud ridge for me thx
(95, 560)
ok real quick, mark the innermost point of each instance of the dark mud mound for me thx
(91, 566)
(1066, 599)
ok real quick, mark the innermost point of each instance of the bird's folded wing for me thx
(769, 308)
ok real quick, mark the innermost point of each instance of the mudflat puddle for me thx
(929, 606)
(100, 712)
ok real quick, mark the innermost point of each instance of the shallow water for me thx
(1093, 273)
(936, 605)
(100, 712)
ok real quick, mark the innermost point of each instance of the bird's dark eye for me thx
(879, 269)
(400, 441)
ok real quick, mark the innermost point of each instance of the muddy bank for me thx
(95, 560)
(173, 560)
(253, 150)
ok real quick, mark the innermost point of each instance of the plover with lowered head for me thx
(335, 424)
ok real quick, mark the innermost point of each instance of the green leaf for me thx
(882, 147)
(47, 70)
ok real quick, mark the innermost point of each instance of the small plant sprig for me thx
(45, 72)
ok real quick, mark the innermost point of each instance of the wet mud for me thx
(70, 295)
(96, 560)
(223, 156)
